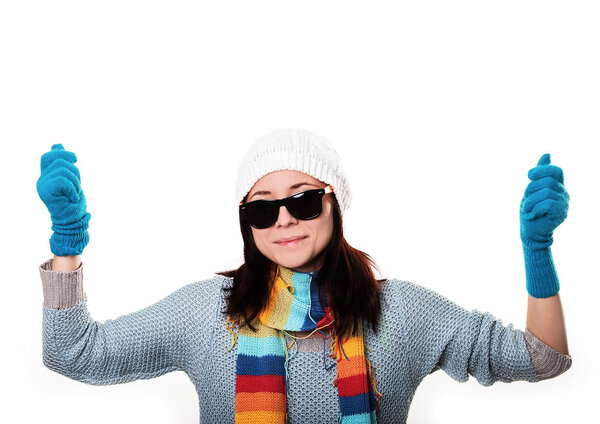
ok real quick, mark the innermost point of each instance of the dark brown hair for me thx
(346, 272)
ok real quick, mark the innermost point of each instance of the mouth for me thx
(290, 241)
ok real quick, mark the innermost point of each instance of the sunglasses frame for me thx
(284, 202)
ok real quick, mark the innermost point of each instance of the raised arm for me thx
(143, 344)
(543, 208)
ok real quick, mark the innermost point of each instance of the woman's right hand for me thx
(59, 187)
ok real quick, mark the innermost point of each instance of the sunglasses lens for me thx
(261, 214)
(307, 205)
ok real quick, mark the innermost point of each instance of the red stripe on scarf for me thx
(353, 385)
(260, 383)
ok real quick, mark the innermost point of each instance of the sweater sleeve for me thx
(141, 345)
(443, 335)
(547, 362)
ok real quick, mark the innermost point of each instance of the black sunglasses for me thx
(303, 205)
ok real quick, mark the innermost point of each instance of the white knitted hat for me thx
(294, 149)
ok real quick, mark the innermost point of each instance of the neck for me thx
(292, 275)
(306, 301)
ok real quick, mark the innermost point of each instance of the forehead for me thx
(283, 180)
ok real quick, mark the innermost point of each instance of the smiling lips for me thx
(290, 241)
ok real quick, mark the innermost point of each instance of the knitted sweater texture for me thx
(420, 332)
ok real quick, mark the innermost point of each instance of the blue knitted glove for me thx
(544, 206)
(59, 187)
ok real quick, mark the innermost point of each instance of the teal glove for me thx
(544, 207)
(59, 187)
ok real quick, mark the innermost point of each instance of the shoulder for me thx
(394, 290)
(201, 294)
(406, 297)
(211, 287)
(198, 303)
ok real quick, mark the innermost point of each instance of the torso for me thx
(304, 334)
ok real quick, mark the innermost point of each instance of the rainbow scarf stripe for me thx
(261, 372)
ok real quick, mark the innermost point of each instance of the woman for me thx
(302, 331)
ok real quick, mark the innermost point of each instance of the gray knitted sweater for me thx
(420, 332)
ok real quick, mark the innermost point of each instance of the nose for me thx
(284, 218)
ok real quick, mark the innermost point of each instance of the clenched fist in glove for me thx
(544, 206)
(59, 187)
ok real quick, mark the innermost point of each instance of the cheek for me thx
(260, 239)
(325, 231)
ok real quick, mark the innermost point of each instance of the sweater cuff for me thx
(62, 289)
(547, 362)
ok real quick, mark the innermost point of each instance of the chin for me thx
(292, 262)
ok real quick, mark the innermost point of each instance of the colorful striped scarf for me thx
(261, 370)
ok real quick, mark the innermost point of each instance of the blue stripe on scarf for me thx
(260, 346)
(298, 310)
(357, 404)
(252, 365)
(316, 310)
(366, 418)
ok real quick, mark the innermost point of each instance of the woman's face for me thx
(305, 254)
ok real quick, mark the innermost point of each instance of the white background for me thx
(437, 109)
